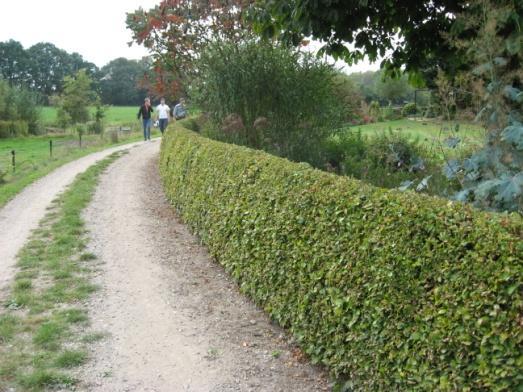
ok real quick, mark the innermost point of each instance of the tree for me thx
(492, 178)
(378, 86)
(268, 96)
(348, 95)
(14, 63)
(176, 31)
(19, 105)
(119, 82)
(408, 29)
(393, 90)
(76, 98)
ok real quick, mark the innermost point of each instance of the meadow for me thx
(113, 115)
(33, 158)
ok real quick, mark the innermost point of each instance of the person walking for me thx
(179, 111)
(145, 113)
(163, 115)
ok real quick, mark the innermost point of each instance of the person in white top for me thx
(163, 115)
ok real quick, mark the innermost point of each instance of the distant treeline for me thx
(42, 68)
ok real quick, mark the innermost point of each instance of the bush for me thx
(95, 127)
(396, 291)
(390, 113)
(18, 110)
(386, 159)
(409, 109)
(194, 124)
(13, 129)
(268, 97)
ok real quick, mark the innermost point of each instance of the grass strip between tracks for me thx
(43, 320)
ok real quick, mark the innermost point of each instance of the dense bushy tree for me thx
(78, 94)
(268, 96)
(376, 86)
(493, 177)
(349, 96)
(19, 105)
(50, 65)
(14, 63)
(120, 80)
(176, 31)
(41, 68)
(408, 29)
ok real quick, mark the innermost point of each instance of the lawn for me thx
(429, 131)
(113, 115)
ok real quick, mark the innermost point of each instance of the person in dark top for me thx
(145, 113)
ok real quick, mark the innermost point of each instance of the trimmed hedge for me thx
(394, 291)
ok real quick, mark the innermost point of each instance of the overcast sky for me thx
(93, 28)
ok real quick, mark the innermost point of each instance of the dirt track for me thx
(175, 320)
(21, 215)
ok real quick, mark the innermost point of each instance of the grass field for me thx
(428, 131)
(113, 115)
(33, 158)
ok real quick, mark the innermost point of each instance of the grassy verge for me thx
(34, 161)
(42, 321)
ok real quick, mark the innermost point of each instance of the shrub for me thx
(409, 109)
(19, 108)
(95, 127)
(194, 124)
(386, 159)
(390, 113)
(239, 83)
(13, 128)
(396, 291)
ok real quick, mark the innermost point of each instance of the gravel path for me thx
(21, 215)
(174, 319)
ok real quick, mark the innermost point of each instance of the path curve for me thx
(22, 214)
(175, 321)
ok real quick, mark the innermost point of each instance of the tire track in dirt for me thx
(21, 215)
(175, 320)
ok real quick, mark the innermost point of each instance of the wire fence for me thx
(22, 158)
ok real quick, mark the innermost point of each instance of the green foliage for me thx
(76, 98)
(349, 97)
(386, 159)
(13, 129)
(395, 291)
(377, 86)
(390, 113)
(17, 106)
(409, 109)
(492, 178)
(371, 27)
(120, 80)
(268, 97)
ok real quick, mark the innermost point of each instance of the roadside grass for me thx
(33, 159)
(42, 322)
